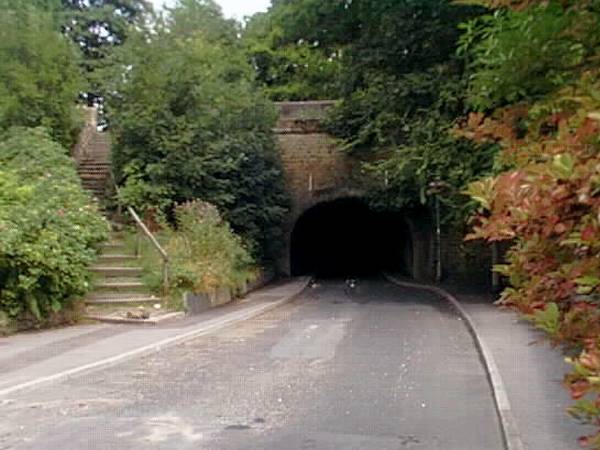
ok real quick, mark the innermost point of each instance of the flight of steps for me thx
(118, 290)
(94, 165)
(117, 283)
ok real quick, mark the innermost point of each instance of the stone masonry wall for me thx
(315, 169)
(466, 262)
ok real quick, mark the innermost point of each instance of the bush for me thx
(546, 199)
(206, 255)
(48, 227)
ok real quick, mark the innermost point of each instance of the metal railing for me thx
(145, 232)
(148, 234)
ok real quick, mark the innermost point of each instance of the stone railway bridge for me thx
(330, 229)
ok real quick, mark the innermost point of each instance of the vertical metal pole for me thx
(165, 274)
(495, 275)
(138, 243)
(438, 235)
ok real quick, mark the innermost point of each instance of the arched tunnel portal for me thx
(344, 237)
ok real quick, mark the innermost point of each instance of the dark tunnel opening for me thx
(346, 238)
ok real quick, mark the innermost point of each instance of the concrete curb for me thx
(508, 424)
(205, 328)
(150, 321)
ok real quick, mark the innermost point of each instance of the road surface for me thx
(375, 367)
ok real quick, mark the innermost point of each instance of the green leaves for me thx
(39, 77)
(97, 28)
(188, 124)
(587, 284)
(516, 55)
(562, 166)
(547, 319)
(48, 227)
(482, 192)
(546, 200)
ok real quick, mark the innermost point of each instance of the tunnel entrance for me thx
(346, 238)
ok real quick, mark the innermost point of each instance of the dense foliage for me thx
(205, 253)
(526, 54)
(393, 64)
(39, 77)
(97, 27)
(547, 199)
(188, 123)
(48, 227)
(290, 69)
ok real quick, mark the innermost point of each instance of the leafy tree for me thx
(188, 123)
(39, 77)
(291, 68)
(97, 27)
(295, 72)
(400, 83)
(368, 37)
(192, 18)
(517, 55)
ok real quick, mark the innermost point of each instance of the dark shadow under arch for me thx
(346, 238)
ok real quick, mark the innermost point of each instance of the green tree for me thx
(290, 69)
(39, 76)
(194, 18)
(188, 124)
(400, 84)
(524, 55)
(97, 27)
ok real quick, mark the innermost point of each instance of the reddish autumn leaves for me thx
(547, 203)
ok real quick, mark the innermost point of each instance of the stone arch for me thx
(359, 239)
(317, 171)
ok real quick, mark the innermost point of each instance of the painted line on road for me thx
(508, 424)
(207, 327)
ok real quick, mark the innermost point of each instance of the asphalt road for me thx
(375, 367)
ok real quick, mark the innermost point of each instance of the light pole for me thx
(436, 188)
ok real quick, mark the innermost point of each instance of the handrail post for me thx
(143, 230)
(138, 243)
(165, 276)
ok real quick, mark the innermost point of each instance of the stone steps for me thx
(116, 271)
(110, 247)
(118, 288)
(122, 300)
(117, 275)
(111, 286)
(94, 167)
(112, 258)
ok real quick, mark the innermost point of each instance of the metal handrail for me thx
(148, 234)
